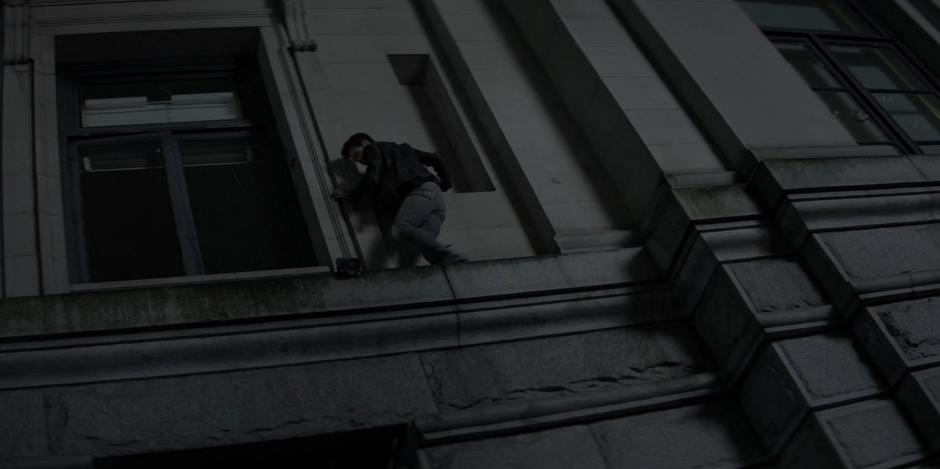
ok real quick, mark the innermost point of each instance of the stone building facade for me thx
(703, 233)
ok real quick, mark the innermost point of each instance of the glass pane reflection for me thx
(130, 231)
(918, 115)
(877, 68)
(812, 70)
(858, 122)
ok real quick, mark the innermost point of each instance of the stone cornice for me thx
(470, 286)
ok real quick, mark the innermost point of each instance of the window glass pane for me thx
(806, 63)
(820, 15)
(129, 231)
(244, 207)
(918, 115)
(158, 102)
(853, 117)
(877, 68)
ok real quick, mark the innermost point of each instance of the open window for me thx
(173, 168)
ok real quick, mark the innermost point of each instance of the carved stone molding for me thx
(15, 32)
(295, 20)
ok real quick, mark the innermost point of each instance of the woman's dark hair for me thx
(354, 141)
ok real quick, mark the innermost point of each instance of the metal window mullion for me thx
(831, 89)
(80, 246)
(182, 209)
(858, 90)
(797, 32)
(897, 91)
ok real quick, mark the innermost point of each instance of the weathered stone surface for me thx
(724, 321)
(232, 408)
(879, 346)
(927, 164)
(515, 276)
(823, 172)
(771, 399)
(859, 435)
(554, 449)
(884, 209)
(714, 434)
(22, 425)
(563, 315)
(223, 349)
(932, 384)
(776, 285)
(828, 367)
(854, 435)
(914, 326)
(919, 396)
(868, 255)
(743, 243)
(810, 447)
(717, 202)
(219, 301)
(559, 366)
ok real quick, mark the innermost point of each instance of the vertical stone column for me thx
(302, 57)
(743, 91)
(50, 213)
(20, 250)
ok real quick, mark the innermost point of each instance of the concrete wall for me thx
(724, 277)
(357, 90)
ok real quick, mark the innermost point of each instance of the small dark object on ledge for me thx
(348, 267)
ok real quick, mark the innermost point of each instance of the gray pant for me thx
(419, 220)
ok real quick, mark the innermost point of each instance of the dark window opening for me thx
(364, 449)
(443, 122)
(174, 169)
(876, 90)
(126, 202)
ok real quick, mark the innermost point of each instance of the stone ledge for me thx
(708, 431)
(323, 295)
(526, 416)
(212, 348)
(806, 175)
(787, 381)
(729, 202)
(901, 337)
(842, 437)
(831, 212)
(919, 393)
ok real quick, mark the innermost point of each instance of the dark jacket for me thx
(395, 169)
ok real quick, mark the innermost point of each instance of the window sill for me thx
(197, 279)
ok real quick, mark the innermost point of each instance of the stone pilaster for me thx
(21, 268)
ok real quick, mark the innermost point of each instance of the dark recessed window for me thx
(174, 169)
(879, 92)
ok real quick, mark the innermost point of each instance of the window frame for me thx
(167, 135)
(818, 43)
